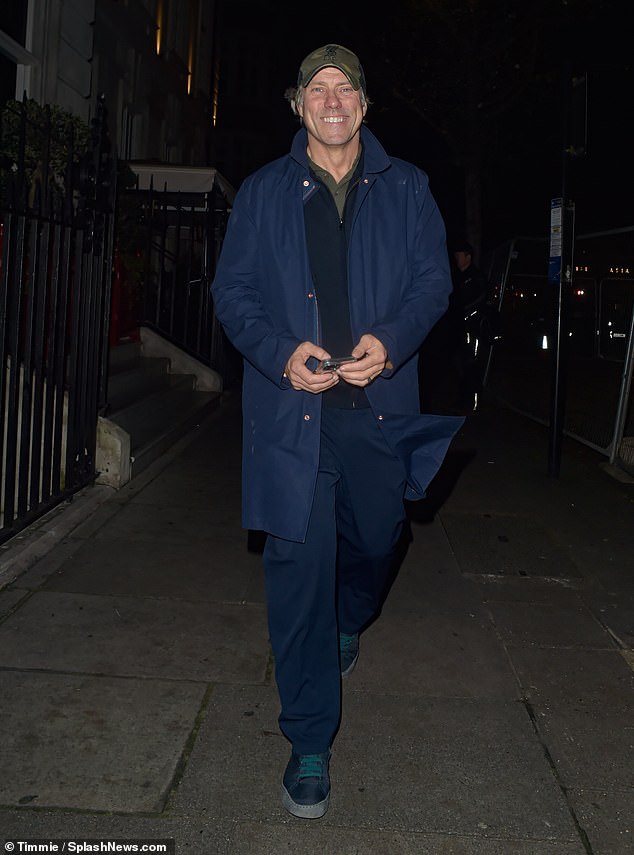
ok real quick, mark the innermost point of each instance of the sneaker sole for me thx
(304, 811)
(350, 667)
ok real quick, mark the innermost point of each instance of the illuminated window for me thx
(160, 23)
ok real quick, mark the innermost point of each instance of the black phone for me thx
(333, 363)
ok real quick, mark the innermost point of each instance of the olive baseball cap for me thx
(334, 56)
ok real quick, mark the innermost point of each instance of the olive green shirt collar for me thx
(337, 189)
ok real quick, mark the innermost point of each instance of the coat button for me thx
(365, 180)
(306, 418)
(306, 183)
(380, 418)
(310, 295)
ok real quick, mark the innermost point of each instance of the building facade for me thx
(154, 61)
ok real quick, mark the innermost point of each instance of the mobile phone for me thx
(333, 363)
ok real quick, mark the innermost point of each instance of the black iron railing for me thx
(56, 236)
(174, 239)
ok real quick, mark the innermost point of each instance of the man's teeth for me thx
(333, 119)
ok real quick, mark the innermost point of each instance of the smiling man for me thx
(335, 251)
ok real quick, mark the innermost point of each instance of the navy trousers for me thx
(334, 581)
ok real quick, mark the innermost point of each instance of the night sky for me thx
(517, 199)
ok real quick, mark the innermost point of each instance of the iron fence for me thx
(56, 235)
(173, 240)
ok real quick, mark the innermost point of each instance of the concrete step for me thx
(135, 381)
(158, 418)
(152, 406)
(167, 417)
(123, 357)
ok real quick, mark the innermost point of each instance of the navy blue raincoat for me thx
(399, 286)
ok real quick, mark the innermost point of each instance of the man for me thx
(473, 323)
(333, 250)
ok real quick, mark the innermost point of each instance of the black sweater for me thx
(327, 236)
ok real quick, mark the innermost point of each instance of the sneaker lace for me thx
(311, 766)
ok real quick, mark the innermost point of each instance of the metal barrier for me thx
(599, 347)
(56, 232)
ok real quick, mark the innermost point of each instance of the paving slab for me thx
(35, 542)
(549, 625)
(96, 521)
(93, 743)
(507, 544)
(236, 765)
(530, 589)
(127, 636)
(577, 677)
(252, 838)
(176, 524)
(459, 656)
(35, 575)
(429, 579)
(194, 835)
(192, 487)
(592, 745)
(9, 599)
(607, 818)
(408, 764)
(615, 609)
(198, 570)
(452, 766)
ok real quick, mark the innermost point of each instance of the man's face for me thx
(331, 109)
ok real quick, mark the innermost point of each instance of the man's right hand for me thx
(301, 377)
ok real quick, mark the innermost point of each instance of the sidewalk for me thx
(491, 712)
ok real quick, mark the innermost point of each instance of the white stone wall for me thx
(60, 37)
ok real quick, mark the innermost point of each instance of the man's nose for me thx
(332, 100)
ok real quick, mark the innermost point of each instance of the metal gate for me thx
(56, 234)
(165, 258)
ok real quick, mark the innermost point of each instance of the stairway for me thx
(149, 407)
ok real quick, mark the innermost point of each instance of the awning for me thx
(181, 179)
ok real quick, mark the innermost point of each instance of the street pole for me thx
(560, 267)
(563, 286)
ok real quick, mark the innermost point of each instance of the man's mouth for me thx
(334, 120)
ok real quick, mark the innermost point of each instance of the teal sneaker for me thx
(348, 652)
(306, 785)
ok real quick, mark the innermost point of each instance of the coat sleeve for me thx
(427, 295)
(236, 292)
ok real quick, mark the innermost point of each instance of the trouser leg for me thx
(300, 585)
(370, 517)
(356, 519)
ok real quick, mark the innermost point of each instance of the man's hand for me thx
(372, 359)
(301, 377)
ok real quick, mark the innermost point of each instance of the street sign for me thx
(556, 240)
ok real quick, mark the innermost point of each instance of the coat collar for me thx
(375, 158)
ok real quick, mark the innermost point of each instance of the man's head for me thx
(329, 56)
(463, 254)
(330, 96)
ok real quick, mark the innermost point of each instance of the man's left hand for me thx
(372, 359)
